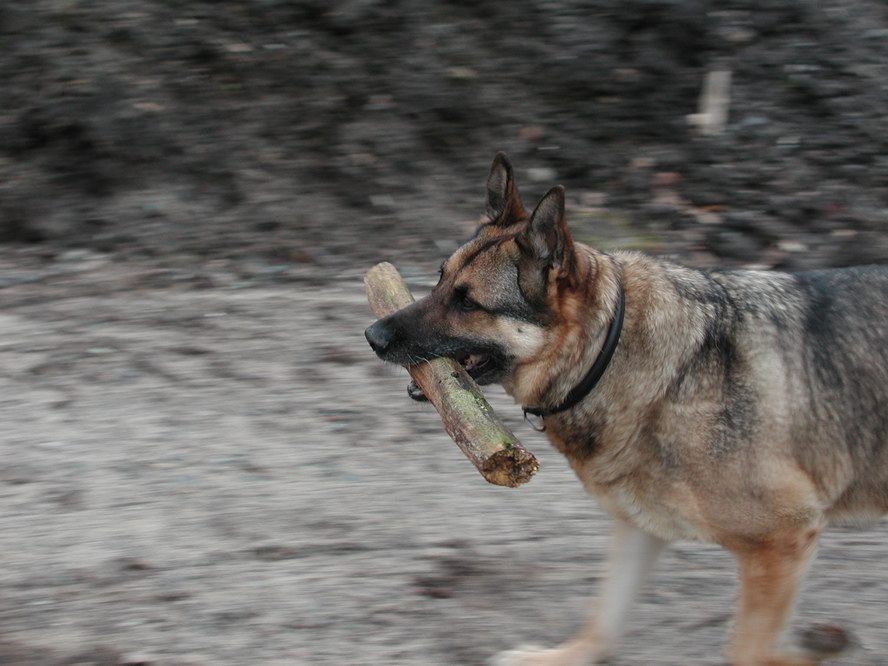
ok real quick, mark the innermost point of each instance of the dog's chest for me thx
(671, 516)
(666, 508)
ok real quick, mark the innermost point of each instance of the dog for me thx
(737, 407)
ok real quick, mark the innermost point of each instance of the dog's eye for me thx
(468, 305)
(464, 303)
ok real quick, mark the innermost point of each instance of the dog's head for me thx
(499, 295)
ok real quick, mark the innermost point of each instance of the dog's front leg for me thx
(632, 558)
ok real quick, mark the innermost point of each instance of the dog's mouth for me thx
(483, 368)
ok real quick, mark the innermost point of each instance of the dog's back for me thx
(818, 344)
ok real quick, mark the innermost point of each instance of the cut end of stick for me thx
(510, 467)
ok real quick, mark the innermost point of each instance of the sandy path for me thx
(213, 471)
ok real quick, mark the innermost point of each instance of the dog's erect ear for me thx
(503, 203)
(546, 237)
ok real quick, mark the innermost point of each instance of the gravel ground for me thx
(205, 464)
(203, 468)
(283, 130)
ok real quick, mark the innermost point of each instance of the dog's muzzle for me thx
(379, 336)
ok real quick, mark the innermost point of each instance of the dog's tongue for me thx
(473, 361)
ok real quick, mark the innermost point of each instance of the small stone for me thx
(792, 246)
(531, 133)
(136, 659)
(53, 444)
(541, 174)
(643, 162)
(151, 107)
(462, 73)
(238, 47)
(593, 199)
(666, 178)
(74, 255)
(382, 201)
(740, 35)
(379, 103)
(876, 33)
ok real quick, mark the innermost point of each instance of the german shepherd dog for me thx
(738, 407)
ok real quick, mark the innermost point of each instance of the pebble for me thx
(792, 246)
(382, 201)
(541, 174)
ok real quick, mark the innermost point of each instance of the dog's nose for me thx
(379, 337)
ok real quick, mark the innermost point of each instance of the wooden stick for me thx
(467, 416)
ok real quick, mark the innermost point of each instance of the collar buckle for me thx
(539, 425)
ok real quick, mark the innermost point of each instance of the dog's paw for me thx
(574, 654)
(526, 655)
(415, 392)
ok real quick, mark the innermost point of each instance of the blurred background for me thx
(204, 464)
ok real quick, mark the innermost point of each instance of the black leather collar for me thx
(595, 373)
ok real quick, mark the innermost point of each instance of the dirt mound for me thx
(320, 132)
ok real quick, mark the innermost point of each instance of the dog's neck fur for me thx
(573, 344)
(652, 307)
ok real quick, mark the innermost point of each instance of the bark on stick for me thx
(467, 416)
